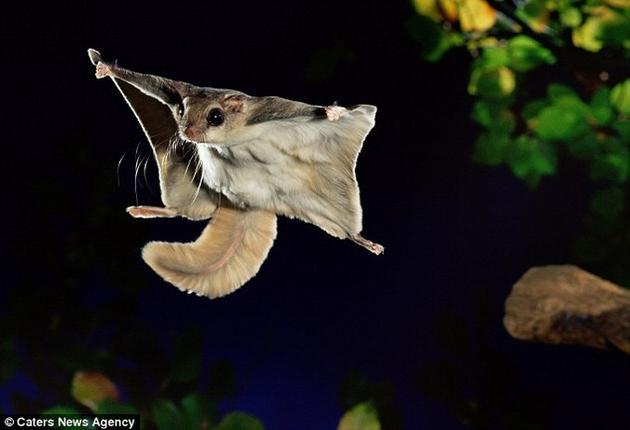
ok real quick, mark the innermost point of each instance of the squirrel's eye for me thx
(180, 110)
(215, 117)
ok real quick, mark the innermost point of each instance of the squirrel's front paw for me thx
(333, 113)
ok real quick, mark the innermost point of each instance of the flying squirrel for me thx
(239, 161)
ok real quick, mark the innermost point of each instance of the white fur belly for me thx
(244, 184)
(212, 175)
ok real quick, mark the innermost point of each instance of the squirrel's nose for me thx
(191, 131)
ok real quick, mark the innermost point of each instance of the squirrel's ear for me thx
(234, 102)
(182, 88)
(95, 56)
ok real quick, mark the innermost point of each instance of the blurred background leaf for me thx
(167, 416)
(200, 412)
(361, 417)
(93, 388)
(240, 421)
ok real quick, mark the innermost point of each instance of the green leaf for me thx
(61, 410)
(491, 148)
(613, 144)
(585, 147)
(601, 109)
(494, 57)
(361, 417)
(613, 166)
(563, 120)
(601, 97)
(623, 129)
(493, 116)
(533, 108)
(571, 17)
(483, 113)
(526, 54)
(240, 421)
(67, 411)
(446, 41)
(111, 407)
(620, 97)
(167, 416)
(199, 411)
(609, 204)
(531, 159)
(615, 28)
(556, 92)
(492, 84)
(433, 40)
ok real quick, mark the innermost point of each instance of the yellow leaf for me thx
(536, 13)
(428, 8)
(449, 9)
(92, 388)
(489, 42)
(604, 13)
(588, 35)
(473, 15)
(476, 15)
(362, 417)
(621, 4)
(507, 80)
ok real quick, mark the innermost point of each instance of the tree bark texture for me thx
(565, 304)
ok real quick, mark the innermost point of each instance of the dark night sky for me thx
(319, 307)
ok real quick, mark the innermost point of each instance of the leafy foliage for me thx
(361, 417)
(195, 410)
(238, 421)
(550, 81)
(369, 403)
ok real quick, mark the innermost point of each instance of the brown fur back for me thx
(228, 253)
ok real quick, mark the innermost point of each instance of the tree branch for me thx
(585, 66)
(541, 38)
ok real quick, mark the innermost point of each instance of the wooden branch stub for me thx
(565, 304)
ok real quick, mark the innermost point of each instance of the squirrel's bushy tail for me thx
(228, 253)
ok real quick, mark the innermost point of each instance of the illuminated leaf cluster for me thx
(530, 137)
(550, 80)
